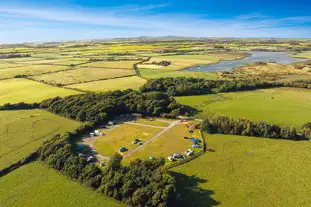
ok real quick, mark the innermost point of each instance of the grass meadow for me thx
(161, 73)
(22, 131)
(282, 106)
(38, 185)
(122, 136)
(246, 171)
(82, 74)
(22, 90)
(132, 82)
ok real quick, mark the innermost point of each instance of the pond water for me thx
(228, 65)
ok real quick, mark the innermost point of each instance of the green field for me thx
(161, 73)
(122, 136)
(282, 106)
(167, 144)
(22, 90)
(22, 131)
(133, 82)
(37, 185)
(83, 74)
(245, 171)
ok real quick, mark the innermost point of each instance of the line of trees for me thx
(19, 106)
(196, 86)
(142, 183)
(100, 107)
(244, 127)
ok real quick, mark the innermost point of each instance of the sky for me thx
(60, 20)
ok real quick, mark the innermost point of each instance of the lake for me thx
(228, 65)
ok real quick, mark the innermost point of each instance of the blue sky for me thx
(34, 20)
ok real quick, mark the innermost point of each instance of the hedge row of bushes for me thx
(244, 127)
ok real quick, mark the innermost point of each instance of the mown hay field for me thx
(112, 64)
(81, 75)
(22, 90)
(30, 70)
(132, 82)
(170, 142)
(38, 185)
(22, 131)
(154, 74)
(122, 136)
(282, 106)
(246, 171)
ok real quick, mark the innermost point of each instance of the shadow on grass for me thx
(190, 192)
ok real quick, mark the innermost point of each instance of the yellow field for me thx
(122, 136)
(22, 90)
(29, 70)
(112, 64)
(133, 82)
(80, 75)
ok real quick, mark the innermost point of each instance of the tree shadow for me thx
(190, 192)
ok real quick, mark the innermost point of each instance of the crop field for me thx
(81, 75)
(172, 141)
(112, 64)
(282, 106)
(22, 90)
(246, 171)
(29, 70)
(154, 122)
(122, 136)
(4, 65)
(132, 82)
(38, 185)
(153, 74)
(22, 131)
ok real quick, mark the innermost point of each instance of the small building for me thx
(98, 133)
(111, 123)
(92, 134)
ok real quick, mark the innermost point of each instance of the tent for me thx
(123, 149)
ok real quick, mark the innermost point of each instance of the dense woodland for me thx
(104, 106)
(197, 86)
(143, 183)
(244, 127)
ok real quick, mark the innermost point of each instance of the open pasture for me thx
(38, 185)
(122, 136)
(246, 171)
(132, 82)
(112, 64)
(306, 54)
(154, 74)
(170, 142)
(282, 106)
(22, 90)
(81, 75)
(22, 131)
